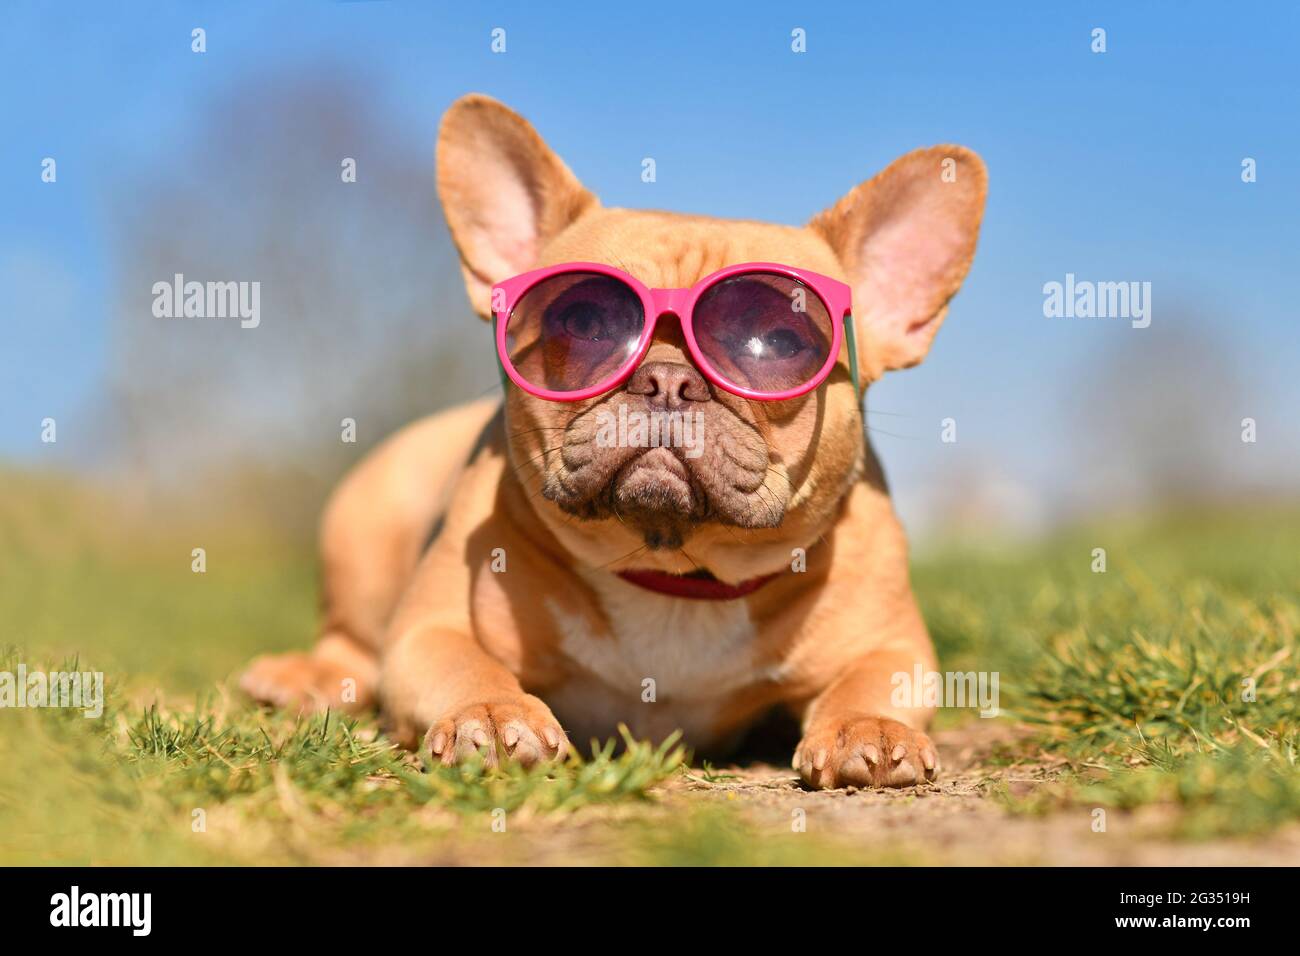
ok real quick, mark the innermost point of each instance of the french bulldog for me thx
(497, 581)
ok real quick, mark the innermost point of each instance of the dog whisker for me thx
(782, 476)
(774, 509)
(881, 431)
(544, 453)
(630, 554)
(540, 428)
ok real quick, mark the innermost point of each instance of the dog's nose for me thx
(669, 384)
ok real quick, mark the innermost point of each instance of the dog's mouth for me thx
(698, 585)
(659, 481)
(722, 474)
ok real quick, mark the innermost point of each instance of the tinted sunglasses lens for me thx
(763, 331)
(575, 330)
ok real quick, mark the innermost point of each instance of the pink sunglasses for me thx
(758, 330)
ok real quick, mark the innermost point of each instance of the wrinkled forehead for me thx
(671, 251)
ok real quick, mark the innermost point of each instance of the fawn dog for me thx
(498, 579)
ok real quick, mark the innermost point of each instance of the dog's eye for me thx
(763, 331)
(781, 344)
(584, 320)
(778, 343)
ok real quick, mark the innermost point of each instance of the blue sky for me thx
(1116, 166)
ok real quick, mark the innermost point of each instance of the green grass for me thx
(221, 785)
(1131, 680)
(1172, 679)
(269, 788)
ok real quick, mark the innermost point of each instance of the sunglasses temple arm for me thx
(853, 350)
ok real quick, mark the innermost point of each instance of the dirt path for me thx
(956, 821)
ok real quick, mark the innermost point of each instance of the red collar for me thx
(693, 586)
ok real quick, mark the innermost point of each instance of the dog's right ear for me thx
(503, 192)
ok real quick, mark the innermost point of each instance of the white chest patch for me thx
(695, 653)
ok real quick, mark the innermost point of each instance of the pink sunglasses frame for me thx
(835, 295)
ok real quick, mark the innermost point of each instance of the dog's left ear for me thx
(906, 239)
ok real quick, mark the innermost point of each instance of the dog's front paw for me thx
(294, 682)
(861, 751)
(522, 728)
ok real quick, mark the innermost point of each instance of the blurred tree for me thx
(1154, 417)
(363, 314)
